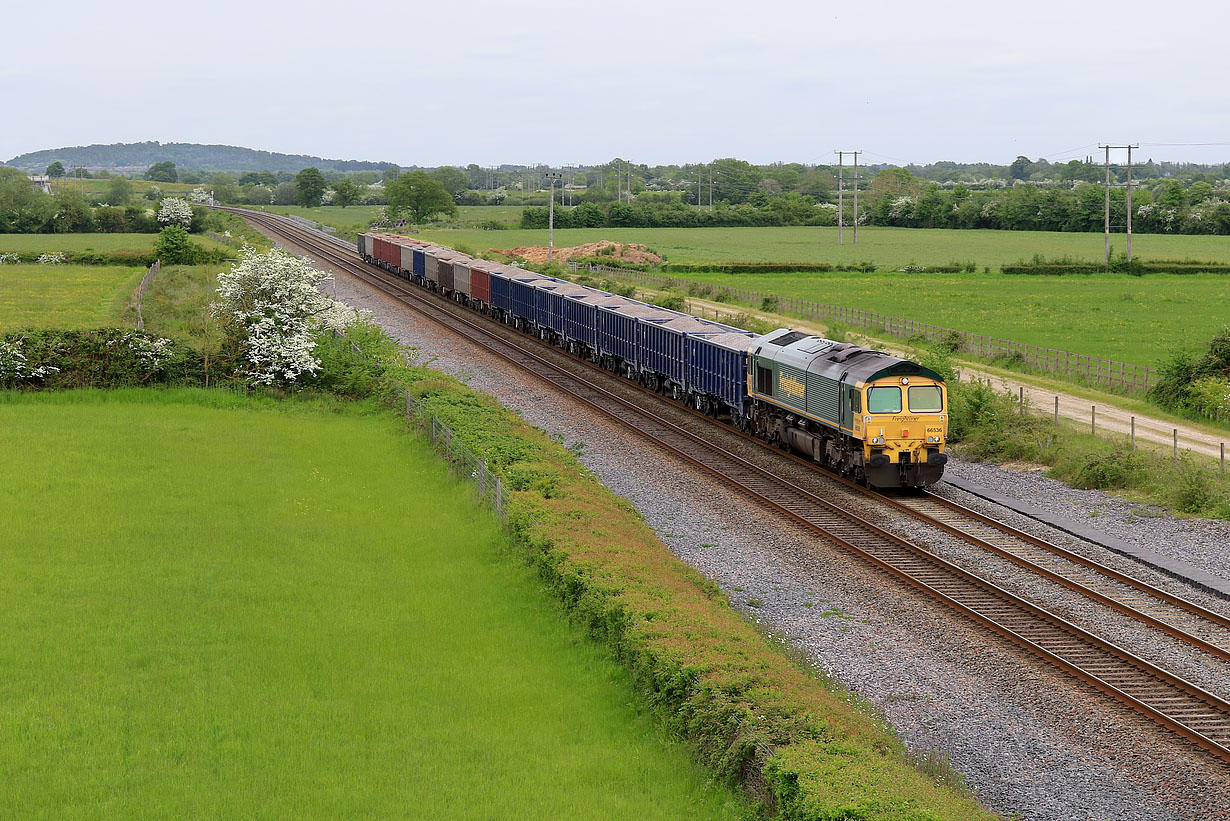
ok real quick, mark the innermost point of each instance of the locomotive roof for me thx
(836, 360)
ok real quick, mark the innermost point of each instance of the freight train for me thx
(870, 416)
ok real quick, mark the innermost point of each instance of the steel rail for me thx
(1191, 712)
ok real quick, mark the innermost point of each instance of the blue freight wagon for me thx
(617, 332)
(502, 279)
(551, 305)
(523, 297)
(420, 263)
(663, 348)
(581, 315)
(717, 370)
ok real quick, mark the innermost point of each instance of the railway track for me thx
(1182, 707)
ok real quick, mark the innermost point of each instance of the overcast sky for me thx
(655, 81)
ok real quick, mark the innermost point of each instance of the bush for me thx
(102, 358)
(671, 302)
(174, 248)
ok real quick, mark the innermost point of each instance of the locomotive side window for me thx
(856, 402)
(926, 399)
(884, 400)
(764, 380)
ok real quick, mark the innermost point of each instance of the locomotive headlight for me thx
(933, 438)
(877, 440)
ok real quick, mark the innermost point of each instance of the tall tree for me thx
(162, 172)
(454, 181)
(419, 196)
(119, 191)
(56, 169)
(1019, 170)
(345, 192)
(309, 187)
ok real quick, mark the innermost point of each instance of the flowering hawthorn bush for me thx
(151, 353)
(51, 259)
(273, 310)
(175, 212)
(199, 195)
(9, 259)
(15, 365)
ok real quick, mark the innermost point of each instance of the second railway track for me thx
(1191, 712)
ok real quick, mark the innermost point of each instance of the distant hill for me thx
(187, 155)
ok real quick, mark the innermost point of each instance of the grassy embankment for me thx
(299, 639)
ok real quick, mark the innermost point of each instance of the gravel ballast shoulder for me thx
(1028, 739)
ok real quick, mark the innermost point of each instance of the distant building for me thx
(41, 181)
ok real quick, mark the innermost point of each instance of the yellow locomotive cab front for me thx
(904, 426)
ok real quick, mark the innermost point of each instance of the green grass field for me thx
(96, 188)
(89, 242)
(222, 606)
(356, 217)
(886, 247)
(64, 296)
(1115, 316)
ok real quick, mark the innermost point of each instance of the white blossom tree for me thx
(272, 305)
(199, 195)
(175, 212)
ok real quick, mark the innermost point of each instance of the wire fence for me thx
(1092, 369)
(463, 461)
(225, 240)
(146, 281)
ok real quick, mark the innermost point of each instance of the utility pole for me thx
(552, 176)
(841, 188)
(1107, 228)
(1129, 199)
(700, 175)
(710, 188)
(841, 192)
(1129, 203)
(856, 153)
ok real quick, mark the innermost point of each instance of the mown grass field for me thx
(886, 247)
(1115, 316)
(64, 296)
(89, 242)
(223, 606)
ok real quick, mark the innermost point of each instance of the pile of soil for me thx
(629, 252)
